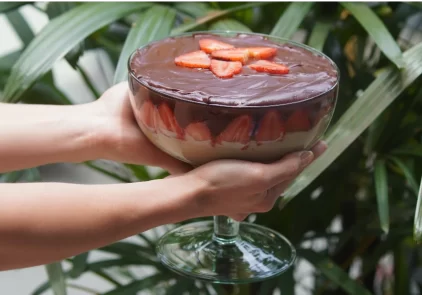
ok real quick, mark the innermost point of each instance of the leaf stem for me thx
(113, 175)
(147, 240)
(214, 15)
(82, 288)
(108, 44)
(107, 277)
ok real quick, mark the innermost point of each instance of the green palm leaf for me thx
(20, 26)
(140, 172)
(56, 278)
(417, 223)
(134, 287)
(155, 23)
(7, 61)
(58, 38)
(375, 99)
(412, 149)
(334, 273)
(381, 189)
(55, 9)
(213, 16)
(377, 30)
(291, 19)
(229, 25)
(79, 265)
(319, 35)
(9, 6)
(407, 173)
(11, 176)
(194, 9)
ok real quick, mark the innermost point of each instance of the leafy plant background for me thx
(350, 215)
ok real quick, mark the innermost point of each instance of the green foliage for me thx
(368, 180)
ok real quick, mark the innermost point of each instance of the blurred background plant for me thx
(350, 214)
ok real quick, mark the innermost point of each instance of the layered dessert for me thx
(203, 97)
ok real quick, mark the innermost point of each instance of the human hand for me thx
(237, 188)
(121, 138)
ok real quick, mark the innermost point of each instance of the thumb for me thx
(289, 166)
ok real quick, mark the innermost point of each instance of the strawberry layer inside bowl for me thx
(206, 98)
(198, 134)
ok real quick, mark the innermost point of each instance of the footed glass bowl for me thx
(225, 251)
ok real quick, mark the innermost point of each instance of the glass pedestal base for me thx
(257, 253)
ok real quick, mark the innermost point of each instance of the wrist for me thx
(199, 198)
(184, 198)
(88, 129)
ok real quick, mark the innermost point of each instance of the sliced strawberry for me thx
(167, 123)
(195, 59)
(298, 121)
(238, 130)
(210, 45)
(234, 54)
(262, 52)
(147, 117)
(271, 128)
(225, 69)
(198, 131)
(269, 67)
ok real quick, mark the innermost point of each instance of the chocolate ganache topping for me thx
(309, 74)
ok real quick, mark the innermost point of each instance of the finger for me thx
(288, 167)
(156, 157)
(174, 166)
(319, 148)
(239, 217)
(279, 189)
(273, 194)
(164, 160)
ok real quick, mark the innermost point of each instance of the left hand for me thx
(121, 138)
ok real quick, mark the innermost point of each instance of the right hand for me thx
(237, 188)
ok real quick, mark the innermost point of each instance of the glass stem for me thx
(226, 229)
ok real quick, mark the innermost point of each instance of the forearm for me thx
(45, 222)
(33, 135)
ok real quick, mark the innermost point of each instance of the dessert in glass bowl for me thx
(205, 96)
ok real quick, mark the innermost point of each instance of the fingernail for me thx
(306, 158)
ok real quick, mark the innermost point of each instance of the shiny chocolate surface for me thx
(310, 74)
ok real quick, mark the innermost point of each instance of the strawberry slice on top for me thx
(298, 121)
(271, 128)
(166, 122)
(225, 69)
(195, 59)
(210, 45)
(239, 130)
(199, 131)
(269, 67)
(233, 54)
(262, 52)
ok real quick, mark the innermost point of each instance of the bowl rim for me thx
(229, 32)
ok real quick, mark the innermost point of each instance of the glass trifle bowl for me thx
(197, 97)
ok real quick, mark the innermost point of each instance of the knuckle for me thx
(292, 168)
(239, 217)
(261, 196)
(259, 173)
(265, 207)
